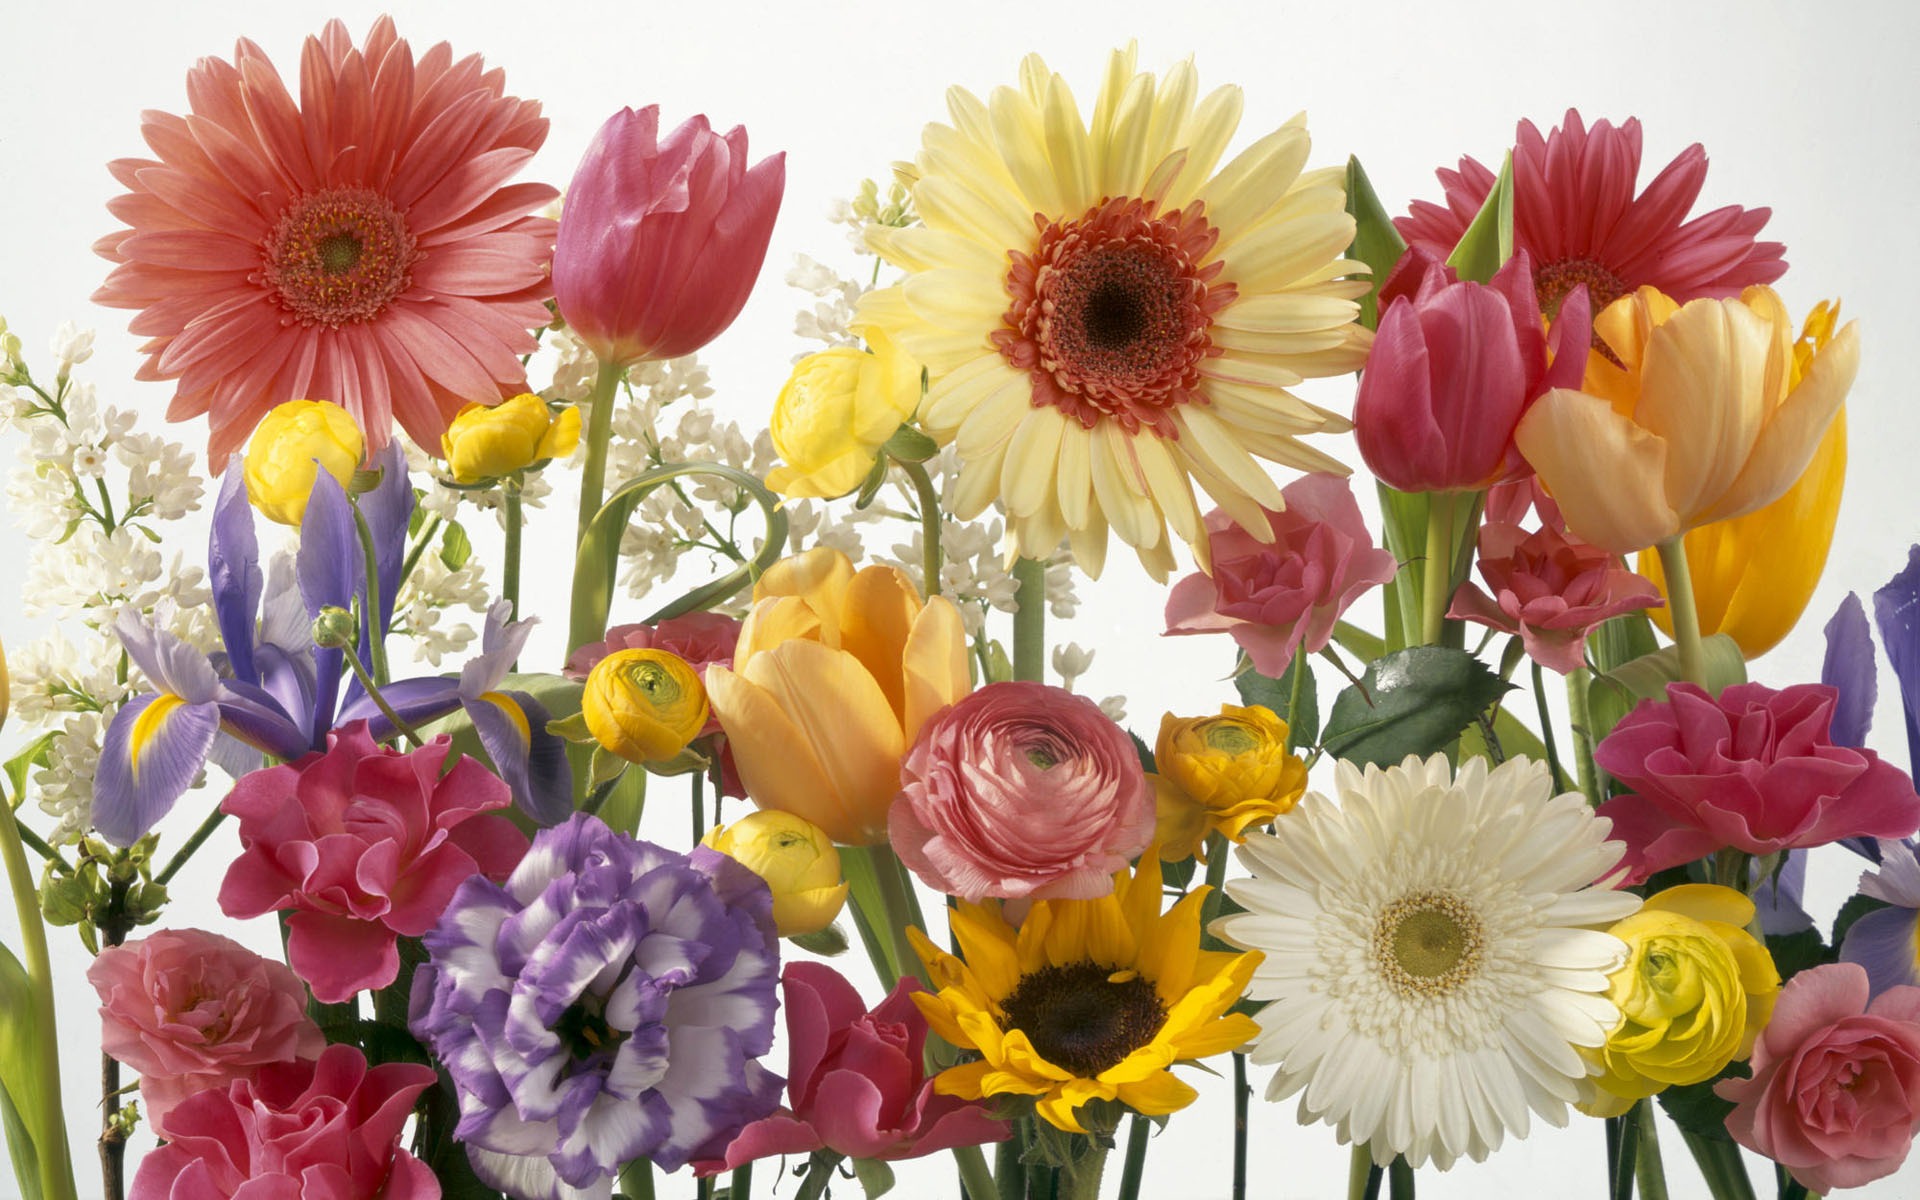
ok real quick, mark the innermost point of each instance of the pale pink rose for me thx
(193, 1011)
(1551, 589)
(325, 1130)
(1021, 791)
(1274, 598)
(1835, 1092)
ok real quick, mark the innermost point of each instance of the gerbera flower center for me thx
(1428, 943)
(1111, 312)
(1553, 281)
(339, 256)
(1084, 1017)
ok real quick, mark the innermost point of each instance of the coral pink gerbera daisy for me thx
(361, 246)
(1575, 214)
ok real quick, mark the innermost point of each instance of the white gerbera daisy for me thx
(1433, 955)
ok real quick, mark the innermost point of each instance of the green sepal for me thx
(364, 480)
(909, 445)
(827, 942)
(875, 1177)
(456, 548)
(606, 767)
(1375, 241)
(688, 762)
(572, 728)
(1488, 241)
(875, 480)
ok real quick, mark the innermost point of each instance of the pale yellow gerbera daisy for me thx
(1106, 320)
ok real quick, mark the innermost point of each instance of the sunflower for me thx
(1106, 320)
(1435, 954)
(1087, 1000)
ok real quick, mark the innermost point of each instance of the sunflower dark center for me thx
(338, 256)
(1111, 312)
(1084, 1017)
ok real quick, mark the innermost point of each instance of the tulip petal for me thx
(777, 764)
(934, 664)
(1701, 391)
(838, 708)
(878, 615)
(1787, 443)
(1605, 472)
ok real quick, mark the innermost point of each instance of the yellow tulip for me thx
(797, 860)
(643, 705)
(1753, 576)
(1698, 418)
(835, 672)
(837, 410)
(290, 447)
(1234, 766)
(487, 442)
(1694, 993)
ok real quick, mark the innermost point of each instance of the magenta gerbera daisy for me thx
(1576, 216)
(361, 245)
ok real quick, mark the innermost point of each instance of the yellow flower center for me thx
(1428, 944)
(339, 256)
(1084, 1017)
(1230, 737)
(654, 682)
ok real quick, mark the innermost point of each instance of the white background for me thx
(1808, 108)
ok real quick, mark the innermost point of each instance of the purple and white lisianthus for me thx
(607, 1003)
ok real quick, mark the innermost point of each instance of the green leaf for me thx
(1358, 642)
(1613, 695)
(1697, 1111)
(33, 754)
(826, 942)
(624, 805)
(1179, 874)
(1413, 701)
(1488, 241)
(455, 547)
(1621, 640)
(910, 445)
(874, 1176)
(26, 1163)
(1255, 688)
(1375, 241)
(1855, 908)
(24, 1087)
(1797, 952)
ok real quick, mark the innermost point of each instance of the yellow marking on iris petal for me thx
(508, 705)
(147, 726)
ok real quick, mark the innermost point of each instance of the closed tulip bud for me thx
(290, 447)
(644, 705)
(836, 411)
(1235, 765)
(489, 442)
(797, 860)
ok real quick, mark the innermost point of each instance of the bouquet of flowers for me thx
(1428, 908)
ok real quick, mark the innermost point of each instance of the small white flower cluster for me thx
(432, 588)
(830, 319)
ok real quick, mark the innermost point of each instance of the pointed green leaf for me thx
(826, 942)
(1375, 241)
(23, 1084)
(910, 445)
(455, 547)
(1413, 701)
(1488, 241)
(33, 754)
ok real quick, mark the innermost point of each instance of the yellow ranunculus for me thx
(1235, 766)
(1695, 992)
(797, 860)
(1701, 421)
(643, 705)
(488, 442)
(1753, 576)
(1180, 823)
(290, 447)
(837, 410)
(834, 674)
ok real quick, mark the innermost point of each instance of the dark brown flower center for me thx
(339, 256)
(1084, 1017)
(1111, 311)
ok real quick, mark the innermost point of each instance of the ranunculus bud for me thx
(644, 705)
(799, 863)
(837, 410)
(290, 447)
(487, 442)
(1235, 766)
(1696, 990)
(335, 628)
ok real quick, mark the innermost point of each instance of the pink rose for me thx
(1550, 589)
(326, 1130)
(193, 1011)
(856, 1081)
(1755, 769)
(367, 846)
(1021, 791)
(1275, 597)
(1835, 1092)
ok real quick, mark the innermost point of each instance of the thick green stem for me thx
(821, 1168)
(930, 523)
(194, 841)
(1680, 607)
(1030, 621)
(1546, 727)
(897, 900)
(1648, 1171)
(1362, 1175)
(974, 1176)
(1621, 1184)
(741, 1185)
(1241, 1093)
(699, 806)
(376, 636)
(510, 569)
(593, 475)
(1295, 694)
(1009, 1177)
(636, 1180)
(1082, 1180)
(56, 1168)
(1435, 581)
(1400, 1180)
(1136, 1161)
(1580, 716)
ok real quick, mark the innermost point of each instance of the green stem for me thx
(1720, 1165)
(1580, 716)
(741, 1185)
(419, 548)
(593, 474)
(636, 1180)
(1435, 592)
(1009, 1177)
(1361, 1172)
(1648, 1170)
(376, 637)
(38, 845)
(56, 1168)
(510, 570)
(1624, 1167)
(1296, 693)
(1030, 621)
(974, 1176)
(1081, 1181)
(194, 841)
(1546, 727)
(1136, 1161)
(897, 901)
(699, 806)
(930, 523)
(820, 1172)
(373, 692)
(1680, 606)
(1241, 1093)
(1400, 1180)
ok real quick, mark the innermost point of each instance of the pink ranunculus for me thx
(193, 1011)
(325, 1130)
(856, 1083)
(1453, 369)
(1273, 598)
(1021, 791)
(1755, 769)
(1835, 1092)
(366, 845)
(1550, 589)
(702, 639)
(661, 239)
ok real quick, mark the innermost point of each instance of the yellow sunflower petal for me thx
(1157, 1095)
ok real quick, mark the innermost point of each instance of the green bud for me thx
(335, 628)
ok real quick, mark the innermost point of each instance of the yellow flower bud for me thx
(836, 411)
(1235, 766)
(1695, 992)
(644, 705)
(290, 447)
(487, 442)
(798, 861)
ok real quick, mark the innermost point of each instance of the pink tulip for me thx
(660, 241)
(1550, 589)
(1453, 368)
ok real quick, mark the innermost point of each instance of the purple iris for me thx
(606, 1004)
(1883, 941)
(272, 691)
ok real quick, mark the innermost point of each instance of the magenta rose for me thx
(326, 1130)
(193, 1011)
(1550, 589)
(856, 1081)
(366, 845)
(1021, 791)
(1274, 598)
(1835, 1092)
(1755, 769)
